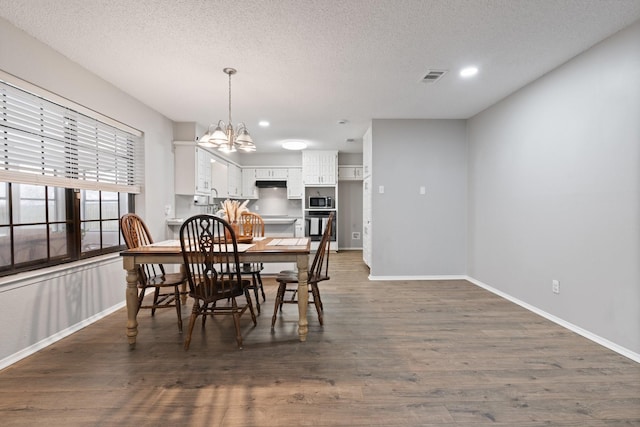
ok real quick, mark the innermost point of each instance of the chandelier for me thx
(225, 137)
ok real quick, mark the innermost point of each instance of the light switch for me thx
(423, 190)
(381, 189)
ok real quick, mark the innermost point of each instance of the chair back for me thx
(251, 224)
(136, 234)
(210, 258)
(319, 270)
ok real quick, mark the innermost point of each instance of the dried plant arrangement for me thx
(232, 209)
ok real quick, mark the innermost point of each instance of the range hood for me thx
(263, 183)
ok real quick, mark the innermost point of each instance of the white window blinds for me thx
(43, 142)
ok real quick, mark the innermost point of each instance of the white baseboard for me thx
(570, 326)
(409, 278)
(9, 360)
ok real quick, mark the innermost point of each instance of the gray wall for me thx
(51, 303)
(349, 214)
(554, 173)
(419, 235)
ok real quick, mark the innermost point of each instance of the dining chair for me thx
(318, 272)
(167, 286)
(213, 272)
(252, 224)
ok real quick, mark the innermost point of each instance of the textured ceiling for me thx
(304, 65)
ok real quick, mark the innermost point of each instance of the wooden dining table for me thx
(266, 250)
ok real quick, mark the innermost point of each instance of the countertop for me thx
(268, 220)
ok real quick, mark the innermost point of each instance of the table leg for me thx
(132, 302)
(303, 296)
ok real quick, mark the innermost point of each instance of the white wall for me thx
(554, 193)
(34, 309)
(419, 235)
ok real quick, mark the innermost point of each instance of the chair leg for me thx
(264, 297)
(156, 295)
(192, 322)
(205, 307)
(178, 307)
(247, 295)
(254, 281)
(140, 298)
(278, 303)
(236, 319)
(316, 300)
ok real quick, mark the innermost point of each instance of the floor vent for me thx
(433, 76)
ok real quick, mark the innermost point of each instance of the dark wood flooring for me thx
(419, 353)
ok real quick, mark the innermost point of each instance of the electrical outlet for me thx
(555, 286)
(355, 235)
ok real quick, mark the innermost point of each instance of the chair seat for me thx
(168, 279)
(251, 268)
(292, 277)
(231, 289)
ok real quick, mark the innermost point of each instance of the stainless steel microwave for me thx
(320, 202)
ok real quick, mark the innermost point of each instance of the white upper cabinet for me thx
(294, 183)
(234, 181)
(350, 173)
(319, 167)
(249, 189)
(192, 169)
(219, 180)
(271, 173)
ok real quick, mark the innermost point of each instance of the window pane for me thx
(110, 234)
(57, 205)
(90, 235)
(28, 203)
(4, 205)
(30, 243)
(58, 240)
(124, 204)
(109, 205)
(5, 247)
(89, 204)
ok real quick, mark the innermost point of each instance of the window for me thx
(67, 174)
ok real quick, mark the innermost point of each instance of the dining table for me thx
(263, 250)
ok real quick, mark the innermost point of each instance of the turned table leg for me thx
(303, 296)
(132, 301)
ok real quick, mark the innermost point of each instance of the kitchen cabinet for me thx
(319, 167)
(234, 181)
(271, 173)
(219, 180)
(350, 173)
(294, 183)
(192, 169)
(249, 189)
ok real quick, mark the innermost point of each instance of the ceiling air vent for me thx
(433, 75)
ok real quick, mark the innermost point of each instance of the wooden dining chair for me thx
(318, 272)
(252, 224)
(213, 272)
(167, 286)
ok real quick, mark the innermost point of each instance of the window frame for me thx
(49, 141)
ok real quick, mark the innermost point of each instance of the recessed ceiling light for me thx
(468, 71)
(263, 123)
(294, 145)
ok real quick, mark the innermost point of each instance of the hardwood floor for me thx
(423, 353)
